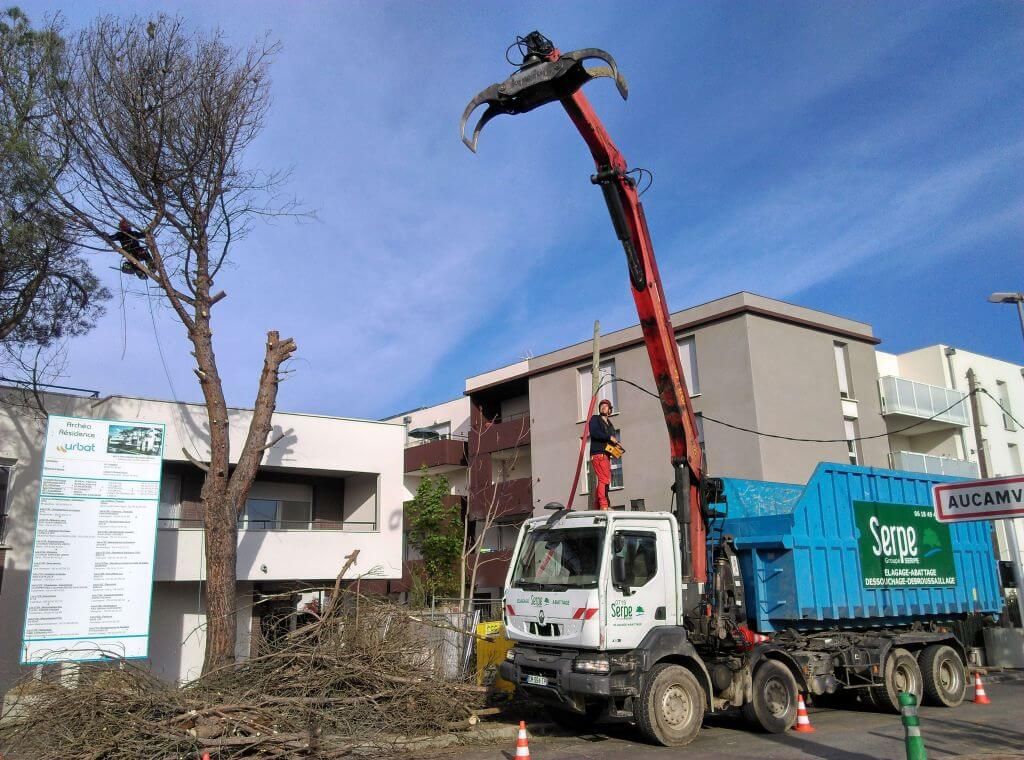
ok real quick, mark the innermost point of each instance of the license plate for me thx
(537, 680)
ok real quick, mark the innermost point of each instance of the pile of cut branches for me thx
(359, 680)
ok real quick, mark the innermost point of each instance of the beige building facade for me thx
(327, 487)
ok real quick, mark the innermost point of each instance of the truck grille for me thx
(545, 629)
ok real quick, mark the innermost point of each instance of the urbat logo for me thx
(65, 448)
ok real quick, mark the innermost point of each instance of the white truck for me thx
(606, 627)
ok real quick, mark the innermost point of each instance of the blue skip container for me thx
(857, 547)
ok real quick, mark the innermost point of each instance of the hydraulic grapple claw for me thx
(544, 77)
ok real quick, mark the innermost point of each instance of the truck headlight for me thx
(591, 665)
(510, 655)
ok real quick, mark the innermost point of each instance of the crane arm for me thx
(547, 76)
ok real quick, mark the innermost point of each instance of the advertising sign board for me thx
(91, 577)
(903, 546)
(990, 499)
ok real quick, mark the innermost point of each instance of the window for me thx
(700, 436)
(688, 357)
(606, 391)
(559, 557)
(1016, 467)
(278, 506)
(843, 370)
(850, 430)
(640, 551)
(5, 479)
(1003, 394)
(500, 536)
(411, 553)
(170, 502)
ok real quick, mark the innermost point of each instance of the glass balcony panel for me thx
(913, 461)
(922, 401)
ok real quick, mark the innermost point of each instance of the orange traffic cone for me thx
(803, 723)
(980, 697)
(522, 743)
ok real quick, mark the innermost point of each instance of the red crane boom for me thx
(546, 75)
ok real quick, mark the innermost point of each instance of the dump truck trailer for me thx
(845, 584)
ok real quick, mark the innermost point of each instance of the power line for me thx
(814, 440)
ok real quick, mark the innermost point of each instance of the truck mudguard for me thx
(670, 643)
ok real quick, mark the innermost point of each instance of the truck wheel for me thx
(901, 674)
(773, 698)
(671, 706)
(942, 672)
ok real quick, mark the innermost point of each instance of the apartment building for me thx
(918, 384)
(750, 361)
(328, 486)
(435, 440)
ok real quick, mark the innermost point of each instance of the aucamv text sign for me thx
(903, 546)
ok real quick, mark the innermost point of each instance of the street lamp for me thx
(1017, 298)
(1011, 531)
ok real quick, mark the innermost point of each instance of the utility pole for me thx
(595, 383)
(1009, 529)
(972, 387)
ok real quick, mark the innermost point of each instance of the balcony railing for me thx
(922, 401)
(504, 433)
(446, 452)
(506, 499)
(351, 526)
(933, 465)
(493, 566)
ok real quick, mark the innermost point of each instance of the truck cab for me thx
(593, 602)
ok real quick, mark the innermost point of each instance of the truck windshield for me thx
(559, 558)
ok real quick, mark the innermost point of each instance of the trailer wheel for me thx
(773, 698)
(942, 671)
(671, 706)
(902, 673)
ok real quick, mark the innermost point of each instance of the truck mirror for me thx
(619, 573)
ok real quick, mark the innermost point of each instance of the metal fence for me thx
(449, 637)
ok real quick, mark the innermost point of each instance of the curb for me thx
(1003, 676)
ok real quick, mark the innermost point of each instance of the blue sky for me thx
(866, 159)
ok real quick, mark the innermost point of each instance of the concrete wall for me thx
(313, 447)
(361, 499)
(455, 412)
(177, 638)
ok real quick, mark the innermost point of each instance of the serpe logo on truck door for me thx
(902, 545)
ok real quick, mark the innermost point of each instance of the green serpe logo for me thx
(901, 545)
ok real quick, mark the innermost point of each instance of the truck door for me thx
(641, 591)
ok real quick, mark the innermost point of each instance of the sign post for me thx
(91, 578)
(989, 499)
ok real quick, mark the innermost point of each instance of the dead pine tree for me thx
(159, 117)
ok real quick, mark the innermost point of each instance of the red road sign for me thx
(991, 499)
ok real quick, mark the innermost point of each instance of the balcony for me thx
(933, 465)
(285, 551)
(437, 455)
(507, 433)
(507, 499)
(493, 567)
(905, 402)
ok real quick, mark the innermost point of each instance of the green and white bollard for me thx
(912, 727)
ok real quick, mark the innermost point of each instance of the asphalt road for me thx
(976, 731)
